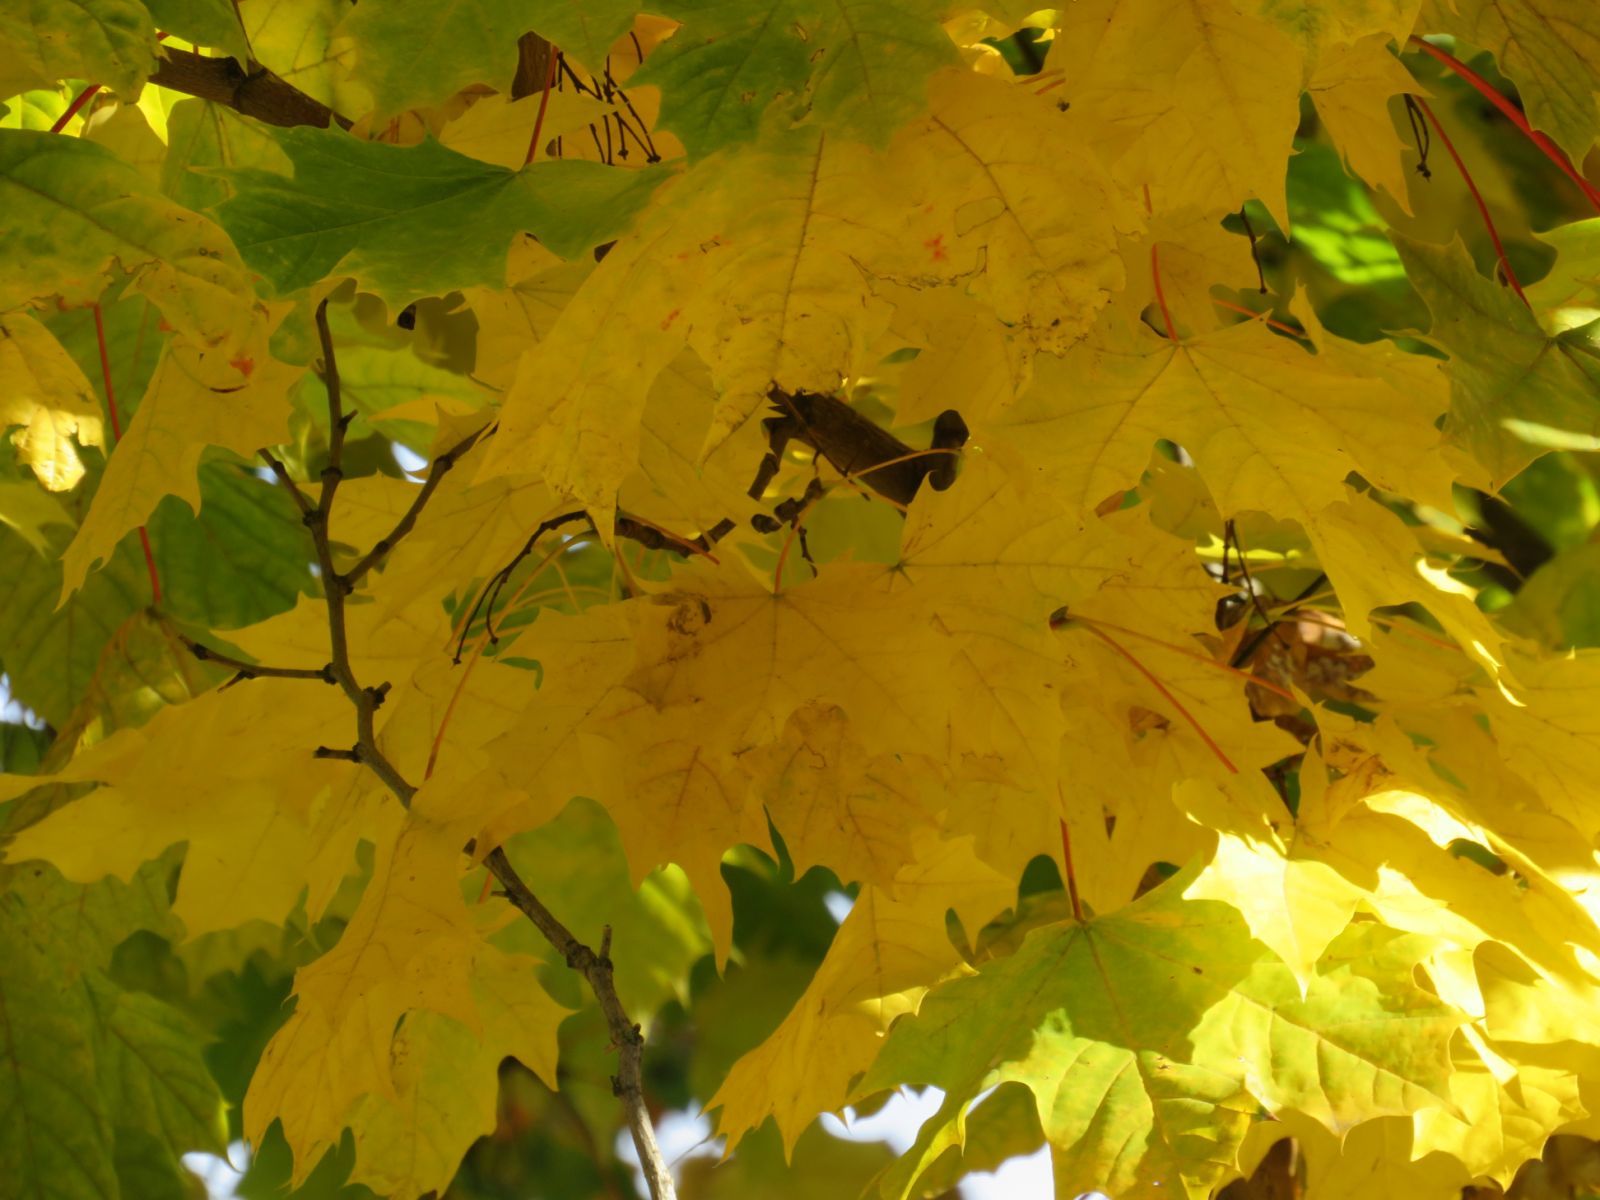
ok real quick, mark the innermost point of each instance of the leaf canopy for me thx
(565, 565)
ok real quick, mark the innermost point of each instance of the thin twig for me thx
(338, 419)
(596, 968)
(629, 1040)
(436, 473)
(249, 670)
(282, 473)
(1253, 643)
(1231, 533)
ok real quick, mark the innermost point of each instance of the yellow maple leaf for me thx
(1352, 87)
(890, 949)
(181, 414)
(1195, 100)
(447, 1079)
(496, 129)
(722, 640)
(833, 803)
(43, 391)
(409, 947)
(1270, 425)
(203, 772)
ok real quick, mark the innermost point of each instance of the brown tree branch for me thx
(625, 1035)
(248, 670)
(282, 472)
(254, 92)
(595, 968)
(436, 473)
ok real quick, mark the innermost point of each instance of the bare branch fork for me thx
(596, 968)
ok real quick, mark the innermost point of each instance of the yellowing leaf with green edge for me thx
(821, 1166)
(1002, 1126)
(1294, 906)
(1575, 273)
(1271, 424)
(890, 949)
(56, 1140)
(1133, 1115)
(1516, 392)
(446, 1079)
(46, 394)
(66, 662)
(110, 41)
(833, 803)
(418, 55)
(198, 772)
(586, 29)
(497, 129)
(1549, 49)
(409, 947)
(1504, 1122)
(140, 668)
(1216, 1015)
(159, 453)
(1195, 100)
(1352, 87)
(75, 210)
(204, 22)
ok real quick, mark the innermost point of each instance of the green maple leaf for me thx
(419, 220)
(1150, 1035)
(858, 66)
(419, 53)
(1517, 392)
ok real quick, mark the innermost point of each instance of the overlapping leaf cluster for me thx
(1196, 651)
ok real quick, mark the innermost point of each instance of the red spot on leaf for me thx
(244, 364)
(163, 326)
(671, 317)
(935, 246)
